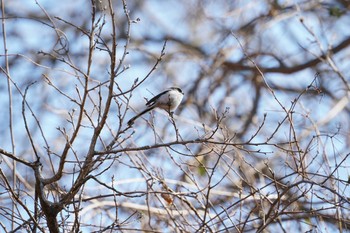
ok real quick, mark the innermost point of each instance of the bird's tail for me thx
(132, 120)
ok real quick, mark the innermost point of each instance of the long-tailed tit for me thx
(168, 100)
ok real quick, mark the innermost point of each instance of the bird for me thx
(168, 100)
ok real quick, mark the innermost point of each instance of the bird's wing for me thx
(153, 100)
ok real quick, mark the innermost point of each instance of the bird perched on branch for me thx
(168, 100)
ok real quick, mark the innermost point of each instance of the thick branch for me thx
(288, 70)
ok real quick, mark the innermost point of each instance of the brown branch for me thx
(12, 156)
(89, 163)
(288, 70)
